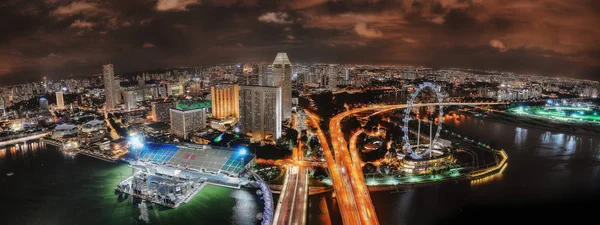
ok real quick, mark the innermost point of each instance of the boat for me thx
(10, 174)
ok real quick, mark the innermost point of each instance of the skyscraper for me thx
(265, 73)
(332, 73)
(2, 106)
(225, 101)
(260, 111)
(130, 99)
(347, 74)
(111, 87)
(60, 101)
(282, 77)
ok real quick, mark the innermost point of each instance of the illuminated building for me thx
(43, 103)
(188, 117)
(331, 77)
(264, 75)
(111, 87)
(347, 74)
(2, 107)
(222, 124)
(63, 130)
(225, 101)
(175, 89)
(130, 100)
(60, 101)
(282, 77)
(161, 111)
(260, 111)
(93, 126)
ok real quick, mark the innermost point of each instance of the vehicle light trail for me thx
(346, 174)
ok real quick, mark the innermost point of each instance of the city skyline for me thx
(62, 39)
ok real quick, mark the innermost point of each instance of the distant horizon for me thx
(130, 73)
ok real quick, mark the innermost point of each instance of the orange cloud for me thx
(275, 17)
(362, 30)
(497, 45)
(175, 5)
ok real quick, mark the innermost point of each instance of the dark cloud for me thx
(60, 38)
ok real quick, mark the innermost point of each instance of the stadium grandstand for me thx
(199, 158)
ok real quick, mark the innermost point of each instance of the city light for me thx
(243, 151)
(219, 138)
(321, 121)
(136, 141)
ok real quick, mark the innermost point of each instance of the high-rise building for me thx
(130, 99)
(332, 77)
(265, 77)
(347, 74)
(60, 101)
(2, 107)
(225, 101)
(161, 111)
(45, 84)
(282, 77)
(43, 103)
(260, 111)
(112, 88)
(189, 116)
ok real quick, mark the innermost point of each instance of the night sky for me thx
(57, 38)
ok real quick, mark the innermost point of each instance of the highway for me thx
(292, 204)
(358, 189)
(341, 184)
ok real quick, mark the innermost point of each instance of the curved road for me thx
(348, 179)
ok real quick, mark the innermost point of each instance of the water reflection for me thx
(520, 136)
(488, 179)
(20, 150)
(246, 206)
(545, 166)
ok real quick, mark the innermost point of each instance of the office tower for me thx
(282, 77)
(111, 87)
(130, 99)
(332, 77)
(260, 111)
(60, 101)
(225, 101)
(161, 111)
(43, 103)
(189, 116)
(347, 74)
(265, 75)
(2, 107)
(45, 84)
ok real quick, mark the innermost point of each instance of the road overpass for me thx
(351, 178)
(351, 161)
(341, 185)
(292, 203)
(345, 169)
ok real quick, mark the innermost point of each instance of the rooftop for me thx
(195, 103)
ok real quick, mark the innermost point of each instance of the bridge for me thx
(292, 205)
(22, 139)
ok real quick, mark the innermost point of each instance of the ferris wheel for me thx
(409, 149)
